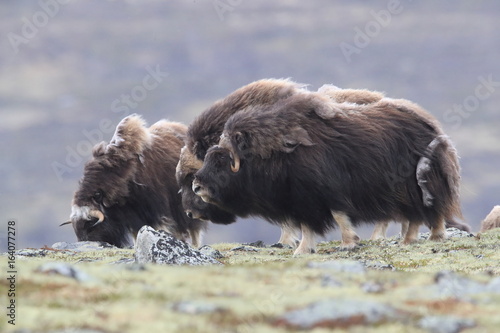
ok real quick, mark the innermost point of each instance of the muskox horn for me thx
(64, 223)
(236, 160)
(226, 143)
(97, 214)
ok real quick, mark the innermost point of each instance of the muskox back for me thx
(130, 182)
(317, 162)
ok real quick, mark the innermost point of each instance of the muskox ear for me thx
(296, 137)
(131, 137)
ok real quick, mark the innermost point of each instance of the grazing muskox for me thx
(130, 182)
(491, 221)
(311, 163)
(205, 132)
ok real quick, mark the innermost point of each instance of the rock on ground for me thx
(334, 313)
(160, 247)
(82, 246)
(346, 266)
(64, 269)
(445, 324)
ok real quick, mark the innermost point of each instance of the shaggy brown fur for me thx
(356, 96)
(313, 162)
(492, 220)
(130, 182)
(205, 132)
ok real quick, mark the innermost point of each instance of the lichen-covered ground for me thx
(409, 289)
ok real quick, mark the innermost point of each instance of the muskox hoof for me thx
(438, 237)
(299, 251)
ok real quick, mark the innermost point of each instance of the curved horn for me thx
(236, 160)
(97, 214)
(64, 223)
(225, 142)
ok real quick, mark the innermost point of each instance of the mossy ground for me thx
(251, 290)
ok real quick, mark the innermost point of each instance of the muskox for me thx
(130, 182)
(317, 164)
(492, 220)
(205, 131)
(363, 96)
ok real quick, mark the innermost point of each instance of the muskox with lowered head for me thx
(205, 131)
(130, 182)
(316, 164)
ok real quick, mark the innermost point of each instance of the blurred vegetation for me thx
(65, 78)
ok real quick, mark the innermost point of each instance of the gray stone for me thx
(282, 246)
(160, 247)
(31, 253)
(210, 252)
(124, 261)
(450, 233)
(258, 243)
(245, 249)
(378, 265)
(82, 246)
(64, 269)
(335, 313)
(494, 286)
(195, 307)
(345, 266)
(328, 281)
(445, 324)
(372, 287)
(449, 284)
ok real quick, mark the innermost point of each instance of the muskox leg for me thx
(308, 243)
(380, 230)
(438, 233)
(289, 235)
(404, 228)
(411, 233)
(349, 237)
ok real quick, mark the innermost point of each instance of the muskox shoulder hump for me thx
(131, 137)
(355, 96)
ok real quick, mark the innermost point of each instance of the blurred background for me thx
(68, 69)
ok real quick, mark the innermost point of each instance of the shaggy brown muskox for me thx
(492, 220)
(312, 163)
(205, 132)
(363, 96)
(130, 182)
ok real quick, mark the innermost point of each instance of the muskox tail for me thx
(438, 176)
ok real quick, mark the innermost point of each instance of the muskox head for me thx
(249, 137)
(193, 205)
(96, 212)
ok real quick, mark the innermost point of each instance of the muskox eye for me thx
(97, 196)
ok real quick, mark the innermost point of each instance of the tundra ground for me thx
(259, 289)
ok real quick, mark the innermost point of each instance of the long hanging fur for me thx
(130, 181)
(302, 161)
